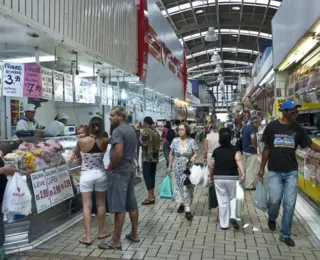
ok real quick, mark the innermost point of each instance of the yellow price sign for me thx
(279, 103)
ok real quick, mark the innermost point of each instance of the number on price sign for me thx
(13, 75)
(32, 81)
(40, 190)
(65, 182)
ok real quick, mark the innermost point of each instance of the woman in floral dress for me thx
(183, 150)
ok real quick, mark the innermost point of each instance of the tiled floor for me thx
(167, 235)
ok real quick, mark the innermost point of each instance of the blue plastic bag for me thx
(260, 197)
(166, 189)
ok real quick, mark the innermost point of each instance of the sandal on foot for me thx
(108, 246)
(105, 236)
(188, 215)
(148, 202)
(129, 237)
(85, 242)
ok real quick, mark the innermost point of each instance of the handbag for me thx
(212, 198)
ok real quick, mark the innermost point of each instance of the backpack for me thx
(170, 135)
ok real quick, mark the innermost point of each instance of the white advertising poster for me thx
(104, 94)
(92, 91)
(13, 77)
(47, 87)
(1, 79)
(40, 191)
(54, 188)
(68, 88)
(58, 85)
(65, 182)
(82, 89)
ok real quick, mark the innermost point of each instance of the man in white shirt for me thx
(27, 126)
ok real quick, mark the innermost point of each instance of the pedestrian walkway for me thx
(166, 234)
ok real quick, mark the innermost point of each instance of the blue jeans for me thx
(283, 185)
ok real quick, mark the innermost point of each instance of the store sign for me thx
(1, 79)
(47, 87)
(81, 89)
(68, 88)
(104, 94)
(40, 191)
(58, 86)
(32, 86)
(13, 76)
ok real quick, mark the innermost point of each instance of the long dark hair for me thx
(96, 127)
(225, 136)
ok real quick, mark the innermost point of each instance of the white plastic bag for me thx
(106, 157)
(239, 201)
(260, 197)
(196, 176)
(17, 197)
(206, 181)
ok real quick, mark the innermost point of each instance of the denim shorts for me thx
(120, 192)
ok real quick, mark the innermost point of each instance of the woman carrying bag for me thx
(183, 151)
(226, 160)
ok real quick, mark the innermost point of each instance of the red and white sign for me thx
(40, 191)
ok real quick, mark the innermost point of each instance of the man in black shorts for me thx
(121, 172)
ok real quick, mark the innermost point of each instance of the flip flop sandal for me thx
(148, 202)
(129, 237)
(107, 246)
(105, 236)
(84, 241)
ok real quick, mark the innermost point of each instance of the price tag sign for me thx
(65, 182)
(47, 87)
(279, 104)
(58, 86)
(53, 184)
(32, 81)
(13, 76)
(40, 190)
(68, 88)
(104, 94)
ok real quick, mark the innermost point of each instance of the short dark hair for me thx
(168, 124)
(225, 136)
(187, 127)
(96, 126)
(148, 120)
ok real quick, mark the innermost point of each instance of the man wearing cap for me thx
(281, 138)
(56, 127)
(249, 148)
(27, 126)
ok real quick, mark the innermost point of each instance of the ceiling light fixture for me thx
(211, 36)
(215, 57)
(199, 11)
(217, 70)
(236, 8)
(220, 78)
(234, 35)
(31, 59)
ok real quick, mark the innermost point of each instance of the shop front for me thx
(296, 61)
(73, 78)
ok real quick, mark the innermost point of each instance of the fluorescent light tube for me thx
(31, 59)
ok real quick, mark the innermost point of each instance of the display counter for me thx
(55, 197)
(309, 174)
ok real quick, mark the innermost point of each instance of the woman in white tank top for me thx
(211, 143)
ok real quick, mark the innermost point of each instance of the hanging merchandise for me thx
(47, 88)
(68, 88)
(32, 86)
(13, 75)
(58, 86)
(1, 79)
(104, 94)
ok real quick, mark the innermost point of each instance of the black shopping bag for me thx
(212, 198)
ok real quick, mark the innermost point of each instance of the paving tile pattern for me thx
(168, 235)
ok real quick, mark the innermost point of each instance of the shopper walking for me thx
(281, 138)
(183, 150)
(225, 166)
(121, 172)
(168, 135)
(150, 140)
(193, 129)
(250, 156)
(91, 149)
(211, 143)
